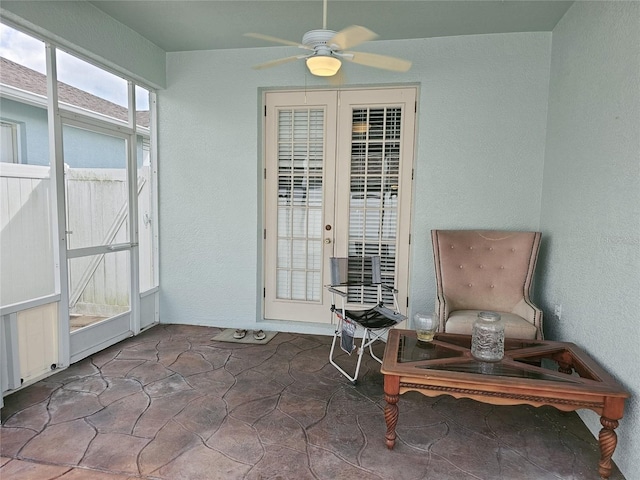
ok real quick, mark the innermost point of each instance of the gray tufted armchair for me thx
(492, 270)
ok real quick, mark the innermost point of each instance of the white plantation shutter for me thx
(299, 230)
(373, 205)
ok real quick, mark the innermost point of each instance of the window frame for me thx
(16, 149)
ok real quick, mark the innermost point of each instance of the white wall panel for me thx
(37, 340)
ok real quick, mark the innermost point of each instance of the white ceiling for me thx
(183, 25)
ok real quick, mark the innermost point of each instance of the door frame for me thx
(325, 99)
(409, 146)
(95, 337)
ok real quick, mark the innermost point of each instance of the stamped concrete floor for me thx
(173, 404)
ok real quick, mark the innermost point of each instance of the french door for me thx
(338, 168)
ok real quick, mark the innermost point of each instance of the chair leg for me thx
(373, 355)
(361, 350)
(369, 338)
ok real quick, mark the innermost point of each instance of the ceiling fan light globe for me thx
(323, 66)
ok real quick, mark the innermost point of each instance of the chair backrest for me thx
(354, 271)
(484, 269)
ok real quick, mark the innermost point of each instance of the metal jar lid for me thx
(490, 316)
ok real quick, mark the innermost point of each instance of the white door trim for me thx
(337, 188)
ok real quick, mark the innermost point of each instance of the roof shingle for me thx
(19, 76)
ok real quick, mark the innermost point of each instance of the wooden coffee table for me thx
(532, 372)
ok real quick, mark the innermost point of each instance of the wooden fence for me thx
(26, 253)
(97, 214)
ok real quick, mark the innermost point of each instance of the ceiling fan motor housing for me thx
(318, 41)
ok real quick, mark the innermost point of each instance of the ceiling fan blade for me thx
(351, 36)
(269, 38)
(378, 61)
(280, 61)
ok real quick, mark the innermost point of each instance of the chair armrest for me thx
(442, 309)
(337, 292)
(531, 313)
(389, 288)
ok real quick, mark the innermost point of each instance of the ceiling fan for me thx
(328, 49)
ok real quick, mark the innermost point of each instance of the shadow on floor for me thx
(173, 404)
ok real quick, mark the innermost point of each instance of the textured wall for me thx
(93, 33)
(479, 160)
(591, 199)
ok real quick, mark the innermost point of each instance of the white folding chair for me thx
(358, 280)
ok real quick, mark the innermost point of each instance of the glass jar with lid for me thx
(487, 339)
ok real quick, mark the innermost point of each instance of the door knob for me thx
(327, 241)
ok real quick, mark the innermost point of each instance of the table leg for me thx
(608, 441)
(391, 395)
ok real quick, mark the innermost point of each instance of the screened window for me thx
(26, 251)
(90, 88)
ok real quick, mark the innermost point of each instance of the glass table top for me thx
(546, 367)
(452, 353)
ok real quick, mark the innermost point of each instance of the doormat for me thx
(227, 336)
